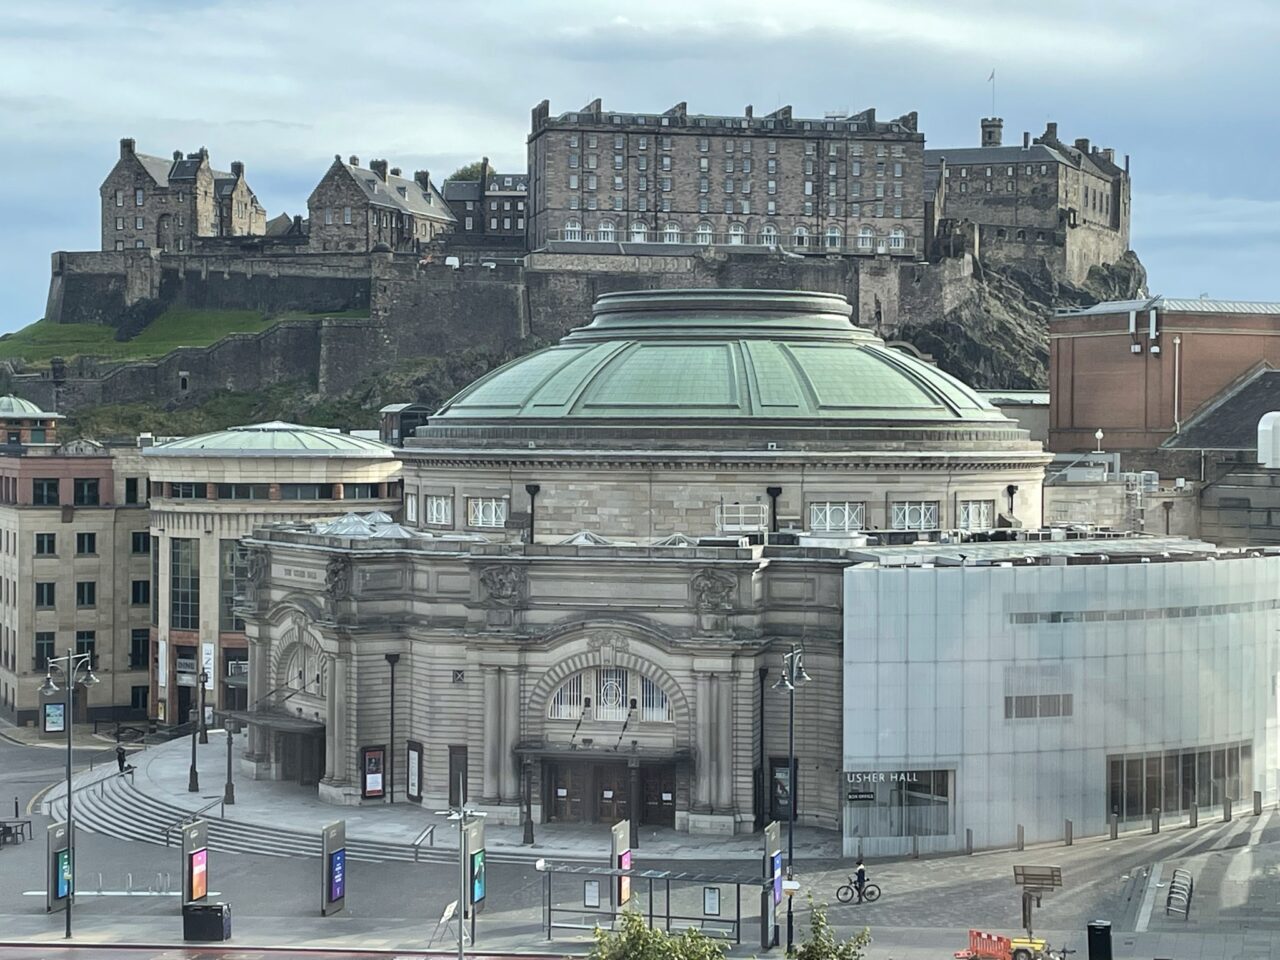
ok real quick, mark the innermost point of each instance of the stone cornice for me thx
(763, 462)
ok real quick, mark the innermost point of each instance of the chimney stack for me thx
(1082, 144)
(379, 168)
(353, 160)
(1050, 131)
(748, 111)
(395, 171)
(1026, 139)
(992, 131)
(1109, 154)
(237, 169)
(127, 147)
(423, 179)
(177, 155)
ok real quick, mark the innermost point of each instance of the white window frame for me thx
(439, 510)
(706, 233)
(411, 506)
(572, 229)
(837, 515)
(606, 231)
(914, 514)
(976, 515)
(671, 233)
(489, 513)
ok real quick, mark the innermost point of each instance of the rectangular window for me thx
(306, 491)
(45, 595)
(119, 198)
(44, 491)
(86, 593)
(915, 515)
(233, 577)
(977, 514)
(440, 510)
(360, 491)
(328, 216)
(87, 642)
(573, 161)
(486, 512)
(140, 592)
(771, 187)
(188, 491)
(612, 699)
(86, 544)
(46, 544)
(346, 215)
(138, 698)
(44, 649)
(138, 197)
(139, 648)
(837, 515)
(138, 223)
(244, 491)
(184, 583)
(85, 492)
(130, 489)
(573, 181)
(119, 223)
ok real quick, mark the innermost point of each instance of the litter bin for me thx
(206, 922)
(1100, 940)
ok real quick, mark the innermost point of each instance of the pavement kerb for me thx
(235, 946)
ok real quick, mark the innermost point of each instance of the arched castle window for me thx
(865, 236)
(639, 232)
(834, 237)
(572, 230)
(737, 233)
(607, 231)
(705, 233)
(608, 694)
(671, 234)
(769, 235)
(800, 238)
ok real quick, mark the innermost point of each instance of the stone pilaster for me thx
(492, 735)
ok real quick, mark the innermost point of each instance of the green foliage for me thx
(822, 944)
(468, 171)
(636, 941)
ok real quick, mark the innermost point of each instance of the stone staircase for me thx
(113, 807)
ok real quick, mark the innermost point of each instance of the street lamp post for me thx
(204, 731)
(528, 801)
(69, 666)
(392, 660)
(793, 675)
(193, 775)
(229, 792)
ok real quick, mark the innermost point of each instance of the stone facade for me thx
(355, 209)
(1066, 206)
(848, 184)
(150, 203)
(491, 210)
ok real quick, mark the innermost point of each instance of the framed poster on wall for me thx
(372, 772)
(413, 768)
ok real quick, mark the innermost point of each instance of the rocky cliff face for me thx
(993, 329)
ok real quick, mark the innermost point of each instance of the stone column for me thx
(331, 721)
(492, 735)
(724, 742)
(702, 712)
(510, 781)
(338, 709)
(259, 680)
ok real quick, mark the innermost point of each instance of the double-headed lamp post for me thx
(193, 775)
(793, 675)
(70, 667)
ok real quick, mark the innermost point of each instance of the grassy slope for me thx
(176, 327)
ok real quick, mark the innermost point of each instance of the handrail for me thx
(219, 802)
(427, 834)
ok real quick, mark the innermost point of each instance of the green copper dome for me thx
(719, 355)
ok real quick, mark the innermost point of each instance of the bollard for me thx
(1257, 803)
(99, 884)
(1155, 820)
(968, 841)
(1194, 820)
(1115, 826)
(1226, 809)
(15, 808)
(1066, 833)
(1022, 837)
(915, 847)
(128, 883)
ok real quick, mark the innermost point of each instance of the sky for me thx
(1187, 89)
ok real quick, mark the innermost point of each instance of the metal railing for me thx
(427, 836)
(1181, 889)
(195, 815)
(741, 517)
(816, 243)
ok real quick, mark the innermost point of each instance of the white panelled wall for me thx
(956, 687)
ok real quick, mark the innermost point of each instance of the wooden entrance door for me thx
(566, 784)
(658, 793)
(613, 786)
(457, 776)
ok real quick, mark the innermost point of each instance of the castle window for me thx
(1008, 186)
(138, 223)
(988, 186)
(572, 229)
(834, 238)
(1022, 235)
(119, 198)
(1028, 170)
(119, 223)
(138, 197)
(181, 245)
(1000, 233)
(671, 234)
(865, 236)
(964, 188)
(737, 233)
(607, 232)
(705, 233)
(639, 232)
(898, 236)
(1044, 168)
(328, 216)
(964, 171)
(119, 245)
(988, 171)
(769, 235)
(139, 244)
(800, 237)
(897, 169)
(346, 214)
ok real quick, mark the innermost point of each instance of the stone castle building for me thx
(150, 203)
(846, 184)
(490, 210)
(354, 209)
(1041, 201)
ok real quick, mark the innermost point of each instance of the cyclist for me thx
(860, 879)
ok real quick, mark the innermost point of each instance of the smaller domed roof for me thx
(273, 439)
(11, 406)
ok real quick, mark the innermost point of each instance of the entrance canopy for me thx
(536, 749)
(277, 721)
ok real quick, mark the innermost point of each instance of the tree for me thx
(821, 944)
(636, 941)
(468, 171)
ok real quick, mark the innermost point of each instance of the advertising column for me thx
(195, 861)
(477, 876)
(771, 894)
(59, 885)
(333, 862)
(373, 762)
(621, 860)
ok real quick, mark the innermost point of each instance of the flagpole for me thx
(993, 91)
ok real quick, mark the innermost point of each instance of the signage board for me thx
(162, 664)
(859, 796)
(59, 868)
(413, 768)
(333, 867)
(372, 769)
(195, 860)
(866, 779)
(206, 664)
(55, 718)
(620, 841)
(477, 876)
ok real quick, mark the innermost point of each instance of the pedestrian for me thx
(120, 755)
(860, 879)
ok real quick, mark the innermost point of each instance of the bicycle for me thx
(847, 892)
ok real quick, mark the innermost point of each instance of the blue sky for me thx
(1186, 88)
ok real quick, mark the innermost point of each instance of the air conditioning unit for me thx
(1180, 483)
(1150, 481)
